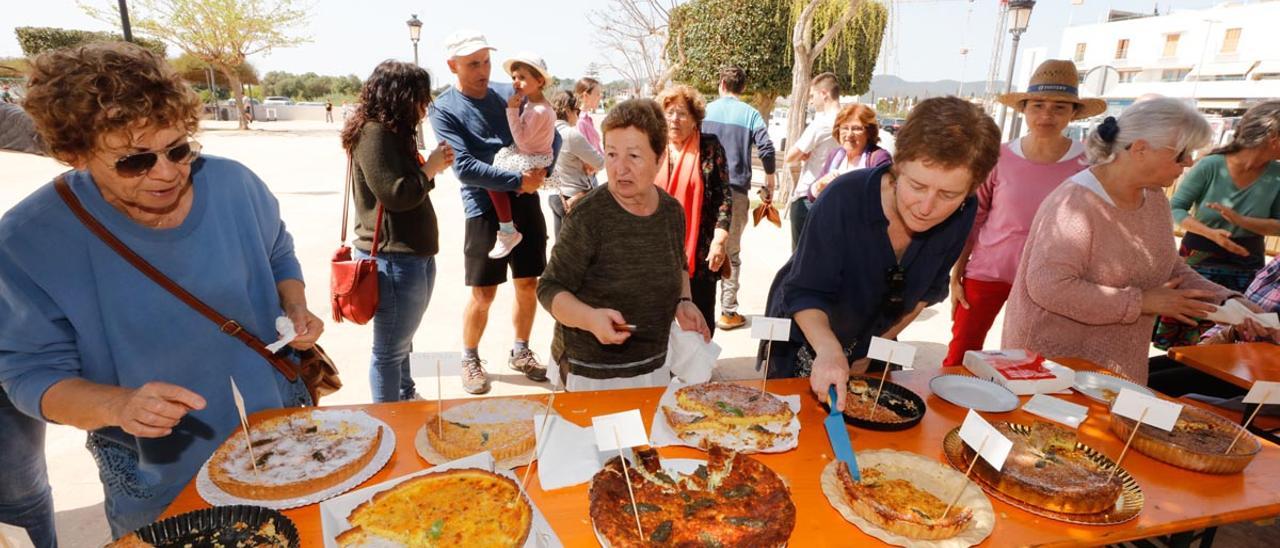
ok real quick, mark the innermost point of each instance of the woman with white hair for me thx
(1227, 204)
(1100, 264)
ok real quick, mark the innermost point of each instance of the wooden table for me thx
(1176, 500)
(1238, 364)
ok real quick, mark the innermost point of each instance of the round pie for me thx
(729, 415)
(1048, 468)
(294, 455)
(501, 427)
(733, 500)
(463, 507)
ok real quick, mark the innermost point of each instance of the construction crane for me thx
(997, 51)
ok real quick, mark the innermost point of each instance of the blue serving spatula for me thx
(839, 436)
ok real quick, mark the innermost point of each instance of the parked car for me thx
(892, 125)
(277, 101)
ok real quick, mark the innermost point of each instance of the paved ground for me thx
(304, 165)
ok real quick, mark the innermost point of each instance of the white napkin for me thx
(1233, 312)
(691, 358)
(284, 326)
(567, 454)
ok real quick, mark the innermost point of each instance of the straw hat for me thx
(1055, 80)
(532, 60)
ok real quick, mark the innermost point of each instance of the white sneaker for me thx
(507, 241)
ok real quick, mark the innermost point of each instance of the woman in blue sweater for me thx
(85, 338)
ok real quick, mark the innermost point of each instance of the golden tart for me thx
(501, 427)
(297, 454)
(463, 507)
(1047, 468)
(900, 507)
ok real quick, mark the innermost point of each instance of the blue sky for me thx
(349, 37)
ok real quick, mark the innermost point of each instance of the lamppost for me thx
(124, 21)
(1019, 16)
(415, 32)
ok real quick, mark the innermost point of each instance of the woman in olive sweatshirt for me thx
(392, 186)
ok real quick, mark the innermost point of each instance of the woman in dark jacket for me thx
(392, 186)
(694, 171)
(880, 243)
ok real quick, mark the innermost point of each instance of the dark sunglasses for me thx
(137, 165)
(895, 279)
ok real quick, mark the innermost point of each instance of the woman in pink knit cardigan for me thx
(1100, 262)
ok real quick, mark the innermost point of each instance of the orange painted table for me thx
(1176, 500)
(1238, 364)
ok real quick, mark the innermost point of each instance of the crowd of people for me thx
(648, 215)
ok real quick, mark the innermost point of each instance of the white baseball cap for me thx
(465, 42)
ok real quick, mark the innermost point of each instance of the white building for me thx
(1226, 57)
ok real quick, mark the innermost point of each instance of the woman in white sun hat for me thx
(533, 128)
(1029, 169)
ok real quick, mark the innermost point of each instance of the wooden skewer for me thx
(627, 476)
(542, 433)
(248, 441)
(764, 375)
(439, 402)
(1245, 427)
(1126, 443)
(964, 485)
(884, 375)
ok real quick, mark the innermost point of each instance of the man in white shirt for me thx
(812, 148)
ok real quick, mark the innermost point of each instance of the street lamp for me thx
(1019, 16)
(415, 32)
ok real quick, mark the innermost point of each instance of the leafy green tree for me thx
(839, 34)
(197, 73)
(749, 34)
(37, 40)
(222, 33)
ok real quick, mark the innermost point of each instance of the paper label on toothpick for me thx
(977, 433)
(423, 364)
(884, 350)
(1160, 413)
(619, 430)
(235, 395)
(1264, 392)
(770, 329)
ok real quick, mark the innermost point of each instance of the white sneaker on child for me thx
(507, 241)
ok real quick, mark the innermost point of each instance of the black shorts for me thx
(527, 260)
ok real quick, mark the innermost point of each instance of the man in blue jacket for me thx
(472, 117)
(740, 128)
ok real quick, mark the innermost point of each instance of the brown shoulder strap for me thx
(225, 325)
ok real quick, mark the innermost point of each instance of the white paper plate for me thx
(1091, 384)
(974, 393)
(214, 495)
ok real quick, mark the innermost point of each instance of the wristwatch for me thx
(683, 300)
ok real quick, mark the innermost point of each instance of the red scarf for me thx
(683, 181)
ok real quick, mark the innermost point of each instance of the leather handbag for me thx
(317, 370)
(353, 283)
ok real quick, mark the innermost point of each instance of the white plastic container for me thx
(987, 364)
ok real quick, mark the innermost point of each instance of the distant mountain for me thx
(885, 85)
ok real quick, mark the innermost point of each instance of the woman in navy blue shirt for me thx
(880, 242)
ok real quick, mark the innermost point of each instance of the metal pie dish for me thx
(1149, 442)
(906, 406)
(220, 526)
(1128, 506)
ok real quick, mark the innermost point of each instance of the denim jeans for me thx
(25, 498)
(405, 282)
